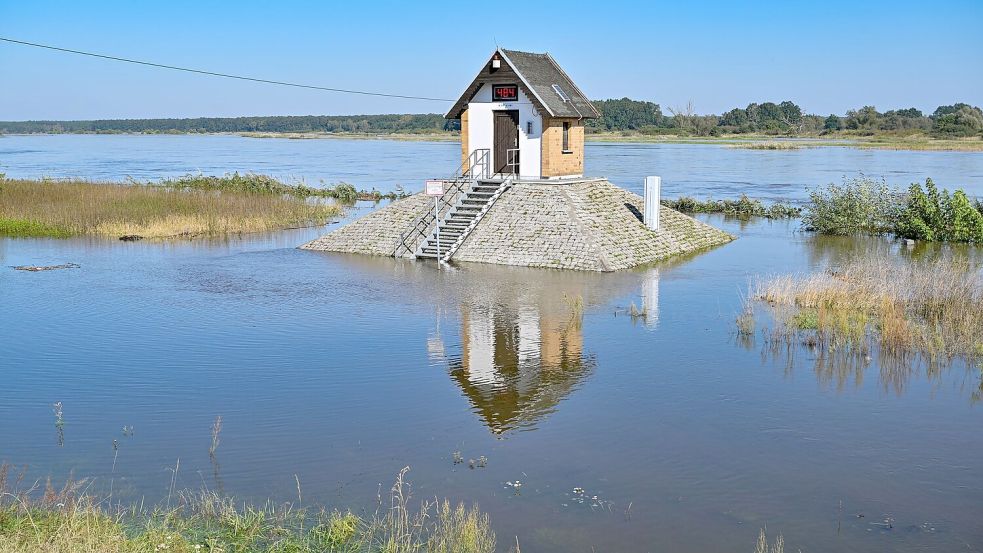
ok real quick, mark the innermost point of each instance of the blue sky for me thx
(827, 56)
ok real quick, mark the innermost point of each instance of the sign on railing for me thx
(435, 188)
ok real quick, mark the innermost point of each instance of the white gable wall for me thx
(481, 131)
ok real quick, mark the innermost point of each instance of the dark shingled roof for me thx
(538, 74)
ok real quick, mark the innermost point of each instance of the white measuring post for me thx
(435, 188)
(653, 200)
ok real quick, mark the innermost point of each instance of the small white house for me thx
(525, 114)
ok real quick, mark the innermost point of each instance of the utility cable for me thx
(225, 75)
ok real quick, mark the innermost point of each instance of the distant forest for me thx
(617, 115)
(785, 118)
(408, 123)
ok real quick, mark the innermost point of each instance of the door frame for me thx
(498, 168)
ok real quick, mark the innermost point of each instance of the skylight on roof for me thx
(559, 92)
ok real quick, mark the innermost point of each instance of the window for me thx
(566, 136)
(559, 92)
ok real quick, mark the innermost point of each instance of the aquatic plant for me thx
(252, 183)
(59, 422)
(762, 546)
(745, 323)
(741, 207)
(216, 430)
(930, 308)
(771, 145)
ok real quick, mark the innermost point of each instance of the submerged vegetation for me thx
(189, 206)
(64, 521)
(932, 309)
(742, 207)
(251, 183)
(772, 145)
(865, 206)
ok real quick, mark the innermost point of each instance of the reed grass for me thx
(931, 308)
(70, 208)
(67, 521)
(741, 207)
(770, 145)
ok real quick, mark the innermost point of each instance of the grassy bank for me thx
(59, 521)
(917, 142)
(196, 206)
(929, 308)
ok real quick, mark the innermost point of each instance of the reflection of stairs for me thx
(462, 218)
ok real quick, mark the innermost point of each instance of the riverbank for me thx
(918, 142)
(913, 142)
(751, 141)
(182, 208)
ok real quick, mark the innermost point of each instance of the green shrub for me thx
(936, 216)
(344, 192)
(861, 205)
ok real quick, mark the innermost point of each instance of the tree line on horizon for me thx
(617, 115)
(784, 118)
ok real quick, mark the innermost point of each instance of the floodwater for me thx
(698, 170)
(337, 371)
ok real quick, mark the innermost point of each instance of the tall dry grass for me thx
(70, 208)
(932, 308)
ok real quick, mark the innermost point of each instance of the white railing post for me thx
(653, 200)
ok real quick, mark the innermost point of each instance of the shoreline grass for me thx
(887, 141)
(188, 207)
(69, 521)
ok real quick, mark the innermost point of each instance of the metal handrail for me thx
(476, 166)
(502, 187)
(512, 160)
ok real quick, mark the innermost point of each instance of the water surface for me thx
(339, 370)
(699, 170)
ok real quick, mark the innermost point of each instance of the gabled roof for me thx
(539, 76)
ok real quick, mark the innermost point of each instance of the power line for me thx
(225, 75)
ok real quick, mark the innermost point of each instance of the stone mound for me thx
(588, 225)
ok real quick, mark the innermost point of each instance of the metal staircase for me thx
(467, 198)
(459, 221)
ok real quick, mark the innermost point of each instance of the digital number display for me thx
(505, 93)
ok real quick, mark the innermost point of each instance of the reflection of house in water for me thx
(518, 362)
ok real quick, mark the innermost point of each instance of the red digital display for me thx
(505, 93)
